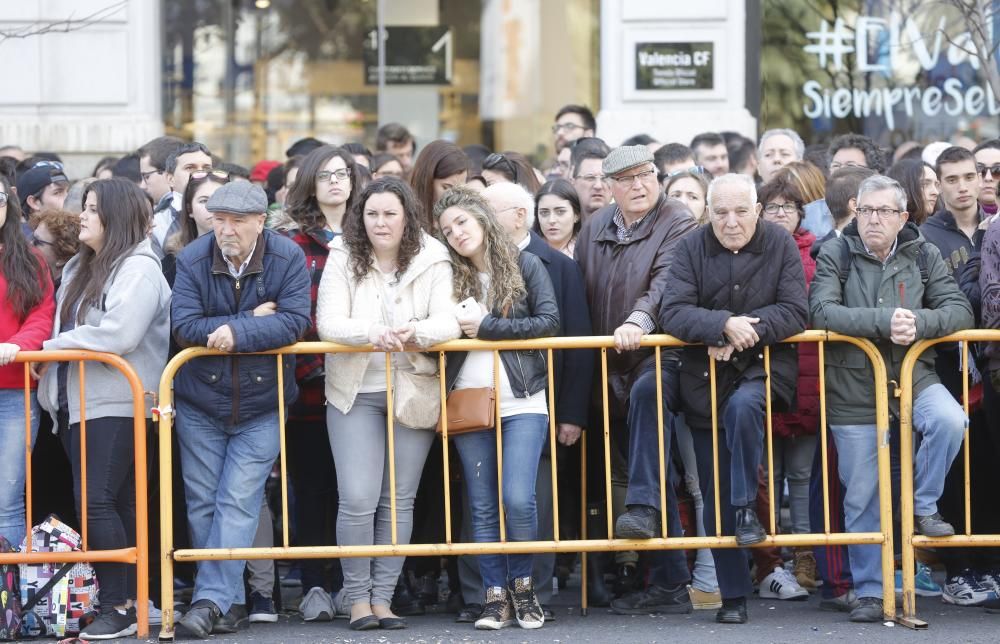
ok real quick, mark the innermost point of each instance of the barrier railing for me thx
(557, 544)
(963, 536)
(137, 555)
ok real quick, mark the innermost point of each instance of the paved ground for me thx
(770, 622)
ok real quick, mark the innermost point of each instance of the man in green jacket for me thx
(882, 281)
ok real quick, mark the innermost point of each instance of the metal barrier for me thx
(584, 545)
(912, 541)
(137, 555)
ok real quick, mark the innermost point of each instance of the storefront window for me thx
(894, 70)
(249, 77)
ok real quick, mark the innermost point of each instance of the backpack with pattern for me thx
(10, 597)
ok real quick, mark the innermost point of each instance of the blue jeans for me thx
(12, 465)
(940, 423)
(523, 436)
(670, 566)
(225, 468)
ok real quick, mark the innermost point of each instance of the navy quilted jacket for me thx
(206, 296)
(708, 285)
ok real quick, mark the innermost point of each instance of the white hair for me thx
(515, 195)
(734, 179)
(800, 147)
(877, 183)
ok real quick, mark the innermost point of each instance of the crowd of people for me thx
(727, 243)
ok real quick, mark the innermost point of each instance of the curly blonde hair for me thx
(500, 256)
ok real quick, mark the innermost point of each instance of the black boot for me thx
(404, 603)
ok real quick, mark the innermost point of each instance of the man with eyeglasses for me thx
(625, 253)
(181, 163)
(572, 122)
(592, 185)
(880, 280)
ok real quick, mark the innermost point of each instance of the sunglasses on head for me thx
(218, 174)
(495, 159)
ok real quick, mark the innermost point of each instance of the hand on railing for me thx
(627, 337)
(221, 339)
(384, 339)
(740, 332)
(8, 352)
(721, 353)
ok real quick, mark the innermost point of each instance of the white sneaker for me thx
(317, 606)
(155, 615)
(341, 605)
(781, 584)
(966, 589)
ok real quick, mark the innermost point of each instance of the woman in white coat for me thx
(389, 284)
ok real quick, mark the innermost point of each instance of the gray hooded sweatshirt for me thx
(133, 322)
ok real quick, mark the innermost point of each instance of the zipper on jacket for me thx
(524, 381)
(237, 284)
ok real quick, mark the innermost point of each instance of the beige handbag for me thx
(411, 407)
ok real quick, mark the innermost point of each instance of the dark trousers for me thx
(314, 481)
(740, 447)
(110, 499)
(669, 567)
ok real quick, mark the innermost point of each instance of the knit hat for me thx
(625, 158)
(238, 198)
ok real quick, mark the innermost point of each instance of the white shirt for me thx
(232, 269)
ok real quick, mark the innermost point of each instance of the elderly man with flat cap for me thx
(625, 251)
(242, 289)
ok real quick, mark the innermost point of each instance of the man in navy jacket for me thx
(241, 290)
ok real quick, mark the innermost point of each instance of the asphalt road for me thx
(770, 622)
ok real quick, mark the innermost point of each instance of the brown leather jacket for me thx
(622, 277)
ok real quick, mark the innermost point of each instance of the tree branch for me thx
(63, 26)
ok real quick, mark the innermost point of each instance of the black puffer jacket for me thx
(536, 315)
(709, 284)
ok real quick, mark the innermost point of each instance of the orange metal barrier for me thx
(963, 536)
(137, 555)
(285, 551)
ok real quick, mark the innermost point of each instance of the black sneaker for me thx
(653, 600)
(111, 625)
(200, 619)
(235, 619)
(527, 610)
(733, 611)
(262, 609)
(469, 613)
(869, 610)
(498, 612)
(638, 522)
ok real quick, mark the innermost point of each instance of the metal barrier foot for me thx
(912, 622)
(166, 635)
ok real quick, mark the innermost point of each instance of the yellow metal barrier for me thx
(137, 555)
(584, 544)
(912, 541)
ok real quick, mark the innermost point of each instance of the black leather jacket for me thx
(536, 315)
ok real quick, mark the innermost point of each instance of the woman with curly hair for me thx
(56, 235)
(389, 284)
(505, 295)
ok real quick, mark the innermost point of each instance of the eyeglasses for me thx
(559, 127)
(3, 199)
(218, 174)
(790, 208)
(866, 212)
(38, 243)
(593, 178)
(326, 176)
(146, 175)
(491, 162)
(837, 165)
(993, 170)
(629, 179)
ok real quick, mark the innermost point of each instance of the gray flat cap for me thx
(625, 158)
(238, 198)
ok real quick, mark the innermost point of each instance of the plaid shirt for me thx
(309, 372)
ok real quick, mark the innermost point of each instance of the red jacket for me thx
(28, 333)
(805, 419)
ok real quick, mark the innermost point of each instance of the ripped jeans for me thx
(523, 437)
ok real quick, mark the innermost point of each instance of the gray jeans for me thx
(358, 441)
(793, 457)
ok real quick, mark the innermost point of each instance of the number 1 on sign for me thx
(444, 41)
